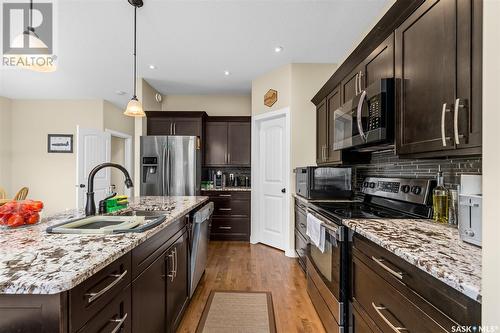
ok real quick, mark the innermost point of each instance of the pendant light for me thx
(34, 41)
(134, 107)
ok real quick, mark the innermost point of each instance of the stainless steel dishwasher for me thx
(199, 244)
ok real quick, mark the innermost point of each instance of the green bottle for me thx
(440, 200)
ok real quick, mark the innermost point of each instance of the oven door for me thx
(328, 264)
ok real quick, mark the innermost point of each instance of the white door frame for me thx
(128, 154)
(255, 236)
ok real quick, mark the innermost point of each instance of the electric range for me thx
(384, 198)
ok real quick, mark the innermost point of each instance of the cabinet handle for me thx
(225, 209)
(225, 228)
(229, 158)
(443, 120)
(356, 84)
(380, 262)
(359, 81)
(458, 105)
(171, 274)
(379, 310)
(175, 128)
(171, 128)
(225, 195)
(119, 322)
(93, 296)
(176, 262)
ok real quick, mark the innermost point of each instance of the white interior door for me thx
(272, 182)
(93, 148)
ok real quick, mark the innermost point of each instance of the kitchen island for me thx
(67, 282)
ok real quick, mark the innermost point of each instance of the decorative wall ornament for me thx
(270, 97)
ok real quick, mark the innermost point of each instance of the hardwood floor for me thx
(243, 266)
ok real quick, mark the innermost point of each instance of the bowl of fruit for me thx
(16, 214)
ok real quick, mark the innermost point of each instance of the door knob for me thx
(81, 185)
(283, 190)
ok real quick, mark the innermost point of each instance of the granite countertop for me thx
(432, 247)
(240, 189)
(35, 262)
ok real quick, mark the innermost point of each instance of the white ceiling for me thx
(192, 43)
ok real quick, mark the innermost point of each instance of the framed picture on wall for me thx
(60, 143)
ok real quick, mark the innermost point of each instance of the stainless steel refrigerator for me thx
(170, 165)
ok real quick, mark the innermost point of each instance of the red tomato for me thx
(15, 220)
(33, 218)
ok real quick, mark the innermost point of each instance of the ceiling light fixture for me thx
(33, 41)
(278, 49)
(120, 92)
(134, 107)
(227, 73)
(152, 67)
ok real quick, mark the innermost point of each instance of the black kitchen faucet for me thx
(90, 206)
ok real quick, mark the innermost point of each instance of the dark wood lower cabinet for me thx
(231, 217)
(144, 291)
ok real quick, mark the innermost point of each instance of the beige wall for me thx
(213, 105)
(50, 177)
(296, 85)
(279, 80)
(114, 119)
(491, 162)
(5, 144)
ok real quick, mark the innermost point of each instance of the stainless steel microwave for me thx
(323, 182)
(367, 119)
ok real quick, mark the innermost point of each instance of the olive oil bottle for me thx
(440, 200)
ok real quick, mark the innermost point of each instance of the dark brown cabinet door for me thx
(349, 87)
(177, 281)
(239, 143)
(426, 78)
(216, 144)
(379, 64)
(149, 295)
(160, 126)
(333, 103)
(187, 126)
(321, 133)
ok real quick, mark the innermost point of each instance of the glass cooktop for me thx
(354, 210)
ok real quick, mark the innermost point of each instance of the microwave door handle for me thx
(358, 115)
(356, 91)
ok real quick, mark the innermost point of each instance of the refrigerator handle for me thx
(169, 171)
(163, 158)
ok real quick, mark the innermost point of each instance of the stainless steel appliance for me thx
(367, 119)
(383, 198)
(199, 245)
(470, 209)
(219, 179)
(323, 182)
(170, 165)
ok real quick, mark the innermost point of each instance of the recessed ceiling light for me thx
(227, 73)
(278, 49)
(152, 67)
(120, 92)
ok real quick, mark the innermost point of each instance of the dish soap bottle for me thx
(440, 200)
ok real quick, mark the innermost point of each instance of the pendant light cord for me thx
(30, 26)
(135, 51)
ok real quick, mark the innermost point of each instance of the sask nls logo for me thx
(28, 40)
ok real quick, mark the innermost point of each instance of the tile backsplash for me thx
(388, 164)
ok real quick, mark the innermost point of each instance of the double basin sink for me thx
(128, 221)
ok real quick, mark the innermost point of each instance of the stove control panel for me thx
(404, 189)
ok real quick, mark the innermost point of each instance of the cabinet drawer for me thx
(147, 252)
(300, 247)
(91, 296)
(231, 208)
(230, 225)
(325, 315)
(385, 305)
(361, 322)
(426, 291)
(114, 317)
(228, 195)
(301, 221)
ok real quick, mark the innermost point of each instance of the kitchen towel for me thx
(316, 232)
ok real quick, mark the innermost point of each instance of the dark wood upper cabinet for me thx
(188, 126)
(332, 104)
(438, 110)
(321, 132)
(350, 84)
(239, 143)
(216, 144)
(159, 126)
(190, 123)
(228, 141)
(379, 64)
